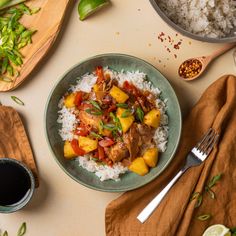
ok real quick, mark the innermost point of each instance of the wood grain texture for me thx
(47, 22)
(14, 142)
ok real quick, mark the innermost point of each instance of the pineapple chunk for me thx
(152, 118)
(139, 166)
(68, 150)
(87, 144)
(125, 122)
(151, 157)
(118, 94)
(69, 100)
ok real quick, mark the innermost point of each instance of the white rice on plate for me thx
(68, 120)
(211, 18)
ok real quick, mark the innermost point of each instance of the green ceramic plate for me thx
(116, 62)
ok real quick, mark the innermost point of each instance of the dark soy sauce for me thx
(14, 183)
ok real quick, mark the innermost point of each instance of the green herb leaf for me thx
(122, 105)
(93, 112)
(126, 114)
(204, 217)
(17, 100)
(95, 135)
(95, 104)
(214, 180)
(22, 230)
(139, 114)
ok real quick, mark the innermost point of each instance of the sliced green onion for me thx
(95, 135)
(198, 196)
(214, 180)
(204, 217)
(6, 79)
(122, 105)
(22, 230)
(5, 233)
(95, 104)
(93, 112)
(17, 100)
(140, 114)
(110, 127)
(116, 121)
(126, 114)
(208, 190)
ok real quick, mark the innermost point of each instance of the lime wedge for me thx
(217, 230)
(87, 7)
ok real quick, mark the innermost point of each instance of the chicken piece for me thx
(133, 141)
(117, 152)
(146, 135)
(146, 132)
(89, 120)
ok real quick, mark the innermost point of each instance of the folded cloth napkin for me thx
(176, 214)
(13, 139)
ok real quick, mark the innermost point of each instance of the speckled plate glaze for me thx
(118, 62)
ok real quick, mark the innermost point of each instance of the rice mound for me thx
(211, 18)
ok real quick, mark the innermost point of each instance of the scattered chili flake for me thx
(170, 43)
(190, 68)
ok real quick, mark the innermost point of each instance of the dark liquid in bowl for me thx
(14, 183)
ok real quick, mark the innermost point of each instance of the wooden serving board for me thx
(47, 22)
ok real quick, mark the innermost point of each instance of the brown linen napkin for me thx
(176, 215)
(13, 139)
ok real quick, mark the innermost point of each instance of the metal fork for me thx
(194, 158)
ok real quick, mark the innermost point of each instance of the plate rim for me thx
(114, 190)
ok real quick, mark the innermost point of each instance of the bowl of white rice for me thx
(60, 121)
(205, 20)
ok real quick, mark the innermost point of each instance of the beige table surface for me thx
(62, 207)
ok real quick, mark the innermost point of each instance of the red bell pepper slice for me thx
(111, 108)
(130, 88)
(78, 98)
(82, 130)
(100, 74)
(75, 145)
(106, 142)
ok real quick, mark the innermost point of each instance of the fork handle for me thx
(148, 210)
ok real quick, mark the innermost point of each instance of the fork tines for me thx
(208, 141)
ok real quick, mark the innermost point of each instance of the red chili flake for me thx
(176, 46)
(168, 50)
(175, 55)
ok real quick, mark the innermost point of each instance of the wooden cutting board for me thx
(47, 22)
